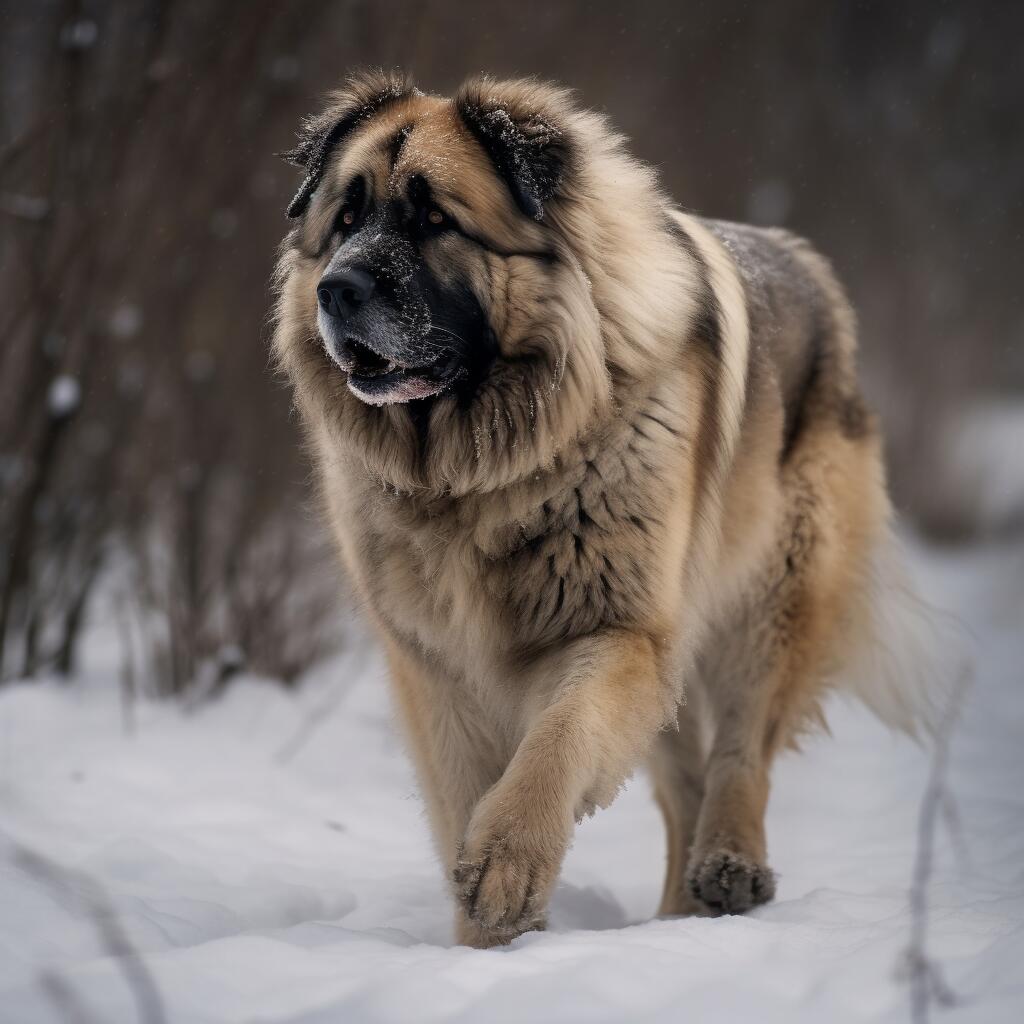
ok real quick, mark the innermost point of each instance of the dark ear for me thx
(362, 95)
(517, 123)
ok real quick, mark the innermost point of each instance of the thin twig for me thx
(65, 1000)
(926, 982)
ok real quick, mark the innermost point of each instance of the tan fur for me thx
(626, 511)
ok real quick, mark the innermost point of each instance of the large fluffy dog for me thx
(599, 468)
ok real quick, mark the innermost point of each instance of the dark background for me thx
(149, 469)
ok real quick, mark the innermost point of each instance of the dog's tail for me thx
(909, 661)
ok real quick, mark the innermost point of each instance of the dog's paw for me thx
(727, 883)
(470, 932)
(500, 885)
(504, 872)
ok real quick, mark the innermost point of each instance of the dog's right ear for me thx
(363, 94)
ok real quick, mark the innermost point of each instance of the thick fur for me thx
(646, 534)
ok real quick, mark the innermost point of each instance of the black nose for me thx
(343, 293)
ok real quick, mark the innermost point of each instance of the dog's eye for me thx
(433, 220)
(345, 221)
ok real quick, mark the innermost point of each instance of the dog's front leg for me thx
(606, 699)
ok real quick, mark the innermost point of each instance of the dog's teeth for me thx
(392, 366)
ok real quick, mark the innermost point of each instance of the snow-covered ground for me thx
(267, 857)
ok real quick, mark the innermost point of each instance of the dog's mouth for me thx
(381, 380)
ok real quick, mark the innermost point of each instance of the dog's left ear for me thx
(519, 125)
(361, 96)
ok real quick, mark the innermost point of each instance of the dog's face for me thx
(397, 307)
(427, 275)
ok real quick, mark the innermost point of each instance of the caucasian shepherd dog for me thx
(600, 470)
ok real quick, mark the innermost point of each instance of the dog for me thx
(600, 470)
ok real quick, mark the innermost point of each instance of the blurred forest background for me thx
(149, 468)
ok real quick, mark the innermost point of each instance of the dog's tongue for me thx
(392, 388)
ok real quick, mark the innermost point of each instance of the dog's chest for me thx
(584, 561)
(519, 573)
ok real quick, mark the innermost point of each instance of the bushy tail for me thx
(909, 660)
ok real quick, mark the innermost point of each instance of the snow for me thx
(64, 396)
(126, 321)
(79, 34)
(268, 859)
(985, 465)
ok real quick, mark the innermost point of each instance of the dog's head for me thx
(437, 307)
